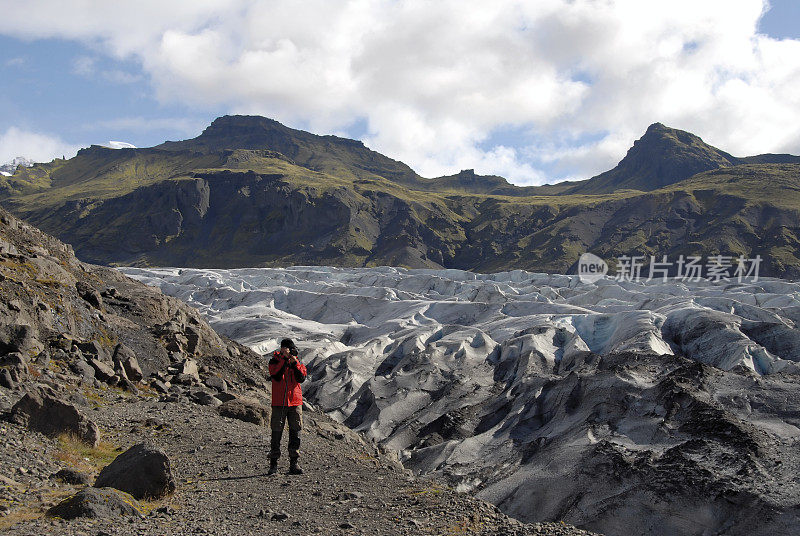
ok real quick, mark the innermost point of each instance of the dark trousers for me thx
(280, 416)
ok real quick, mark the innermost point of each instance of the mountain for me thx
(664, 156)
(327, 154)
(251, 192)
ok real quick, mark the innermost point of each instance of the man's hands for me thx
(291, 360)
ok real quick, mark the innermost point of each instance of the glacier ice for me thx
(339, 310)
(553, 398)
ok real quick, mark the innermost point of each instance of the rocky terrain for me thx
(106, 381)
(252, 192)
(621, 407)
(8, 168)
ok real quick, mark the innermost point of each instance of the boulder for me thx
(20, 338)
(119, 371)
(127, 358)
(177, 343)
(192, 339)
(97, 504)
(204, 398)
(158, 385)
(143, 471)
(6, 380)
(103, 372)
(71, 476)
(184, 379)
(128, 385)
(224, 397)
(168, 328)
(83, 369)
(43, 412)
(187, 367)
(245, 410)
(95, 349)
(49, 270)
(65, 341)
(89, 294)
(13, 369)
(216, 383)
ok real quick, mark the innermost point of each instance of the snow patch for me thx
(120, 145)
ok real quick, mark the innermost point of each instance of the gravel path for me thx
(220, 464)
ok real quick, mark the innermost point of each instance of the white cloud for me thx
(33, 146)
(431, 80)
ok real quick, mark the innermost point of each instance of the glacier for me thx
(341, 312)
(551, 397)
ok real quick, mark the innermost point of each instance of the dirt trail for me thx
(221, 465)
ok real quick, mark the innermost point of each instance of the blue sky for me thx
(536, 92)
(67, 88)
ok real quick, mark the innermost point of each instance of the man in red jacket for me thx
(287, 373)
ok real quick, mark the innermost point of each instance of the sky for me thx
(536, 91)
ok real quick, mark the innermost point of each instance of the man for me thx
(287, 373)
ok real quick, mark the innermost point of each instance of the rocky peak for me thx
(661, 157)
(255, 132)
(673, 146)
(242, 124)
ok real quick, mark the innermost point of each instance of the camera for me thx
(293, 351)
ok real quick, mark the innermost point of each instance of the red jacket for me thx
(281, 374)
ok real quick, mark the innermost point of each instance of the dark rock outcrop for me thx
(90, 294)
(46, 317)
(245, 410)
(97, 504)
(127, 358)
(43, 412)
(204, 398)
(72, 476)
(216, 383)
(143, 471)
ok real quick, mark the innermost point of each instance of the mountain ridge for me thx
(664, 156)
(232, 199)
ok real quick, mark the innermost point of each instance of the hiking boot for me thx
(273, 467)
(294, 467)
